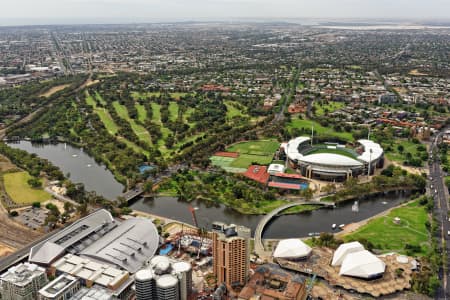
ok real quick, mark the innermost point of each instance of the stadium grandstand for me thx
(332, 161)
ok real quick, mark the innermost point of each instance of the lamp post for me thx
(370, 163)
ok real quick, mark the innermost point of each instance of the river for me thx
(82, 168)
(96, 177)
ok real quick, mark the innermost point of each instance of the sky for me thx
(104, 11)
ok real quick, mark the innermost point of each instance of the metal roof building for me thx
(126, 244)
(129, 245)
(73, 238)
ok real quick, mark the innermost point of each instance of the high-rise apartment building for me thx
(231, 254)
(22, 282)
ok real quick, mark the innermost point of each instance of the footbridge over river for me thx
(259, 245)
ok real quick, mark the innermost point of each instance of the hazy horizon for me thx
(26, 12)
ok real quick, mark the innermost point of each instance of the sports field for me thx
(332, 151)
(388, 236)
(17, 187)
(254, 152)
(226, 164)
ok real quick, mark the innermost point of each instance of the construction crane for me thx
(194, 217)
(311, 284)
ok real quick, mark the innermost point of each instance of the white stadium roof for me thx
(362, 264)
(344, 249)
(368, 145)
(291, 249)
(331, 159)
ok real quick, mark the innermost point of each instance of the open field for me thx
(53, 90)
(143, 96)
(20, 191)
(330, 107)
(388, 237)
(319, 130)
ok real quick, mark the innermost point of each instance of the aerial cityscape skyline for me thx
(27, 12)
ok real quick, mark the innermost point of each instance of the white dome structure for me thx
(291, 249)
(362, 264)
(343, 250)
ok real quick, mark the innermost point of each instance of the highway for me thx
(439, 192)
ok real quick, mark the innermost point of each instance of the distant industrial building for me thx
(22, 282)
(164, 278)
(126, 244)
(231, 254)
(62, 288)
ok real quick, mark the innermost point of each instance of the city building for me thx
(266, 283)
(126, 244)
(164, 278)
(292, 249)
(90, 273)
(22, 282)
(62, 288)
(231, 254)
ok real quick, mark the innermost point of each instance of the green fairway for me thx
(142, 113)
(140, 131)
(330, 107)
(233, 110)
(173, 111)
(18, 189)
(319, 130)
(104, 115)
(387, 236)
(99, 98)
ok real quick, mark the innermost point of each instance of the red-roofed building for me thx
(257, 173)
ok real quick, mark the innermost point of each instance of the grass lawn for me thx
(233, 110)
(260, 152)
(395, 155)
(387, 236)
(319, 130)
(186, 115)
(140, 131)
(20, 191)
(263, 147)
(221, 161)
(330, 107)
(173, 111)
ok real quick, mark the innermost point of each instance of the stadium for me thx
(332, 161)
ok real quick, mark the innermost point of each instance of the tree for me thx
(36, 204)
(400, 148)
(34, 182)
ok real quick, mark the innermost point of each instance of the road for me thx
(439, 192)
